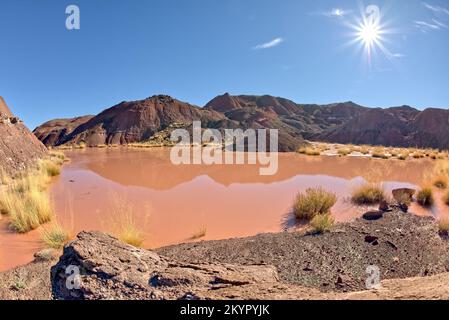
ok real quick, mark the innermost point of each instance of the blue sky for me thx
(197, 49)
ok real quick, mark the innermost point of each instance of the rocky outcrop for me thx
(401, 244)
(290, 265)
(110, 269)
(19, 148)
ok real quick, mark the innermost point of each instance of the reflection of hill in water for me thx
(153, 169)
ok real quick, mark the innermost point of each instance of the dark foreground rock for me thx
(401, 244)
(267, 266)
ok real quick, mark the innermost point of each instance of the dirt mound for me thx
(19, 148)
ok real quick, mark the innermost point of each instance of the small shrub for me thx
(55, 236)
(310, 151)
(51, 168)
(440, 182)
(402, 157)
(344, 152)
(124, 225)
(30, 210)
(379, 153)
(425, 197)
(201, 233)
(313, 202)
(368, 193)
(322, 223)
(443, 226)
(418, 155)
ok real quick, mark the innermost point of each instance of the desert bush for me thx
(418, 155)
(368, 193)
(440, 182)
(55, 236)
(313, 202)
(322, 223)
(425, 197)
(29, 210)
(123, 224)
(201, 233)
(310, 151)
(379, 153)
(443, 226)
(402, 156)
(51, 168)
(344, 151)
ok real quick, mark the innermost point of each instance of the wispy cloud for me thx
(439, 23)
(436, 8)
(397, 55)
(333, 13)
(273, 43)
(424, 26)
(336, 12)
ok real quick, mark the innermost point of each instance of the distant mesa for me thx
(347, 122)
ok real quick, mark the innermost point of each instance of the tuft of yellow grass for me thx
(200, 233)
(379, 153)
(51, 168)
(368, 193)
(26, 200)
(344, 151)
(55, 236)
(124, 225)
(310, 151)
(28, 210)
(425, 196)
(322, 223)
(443, 226)
(440, 181)
(313, 202)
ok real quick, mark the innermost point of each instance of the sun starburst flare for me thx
(369, 32)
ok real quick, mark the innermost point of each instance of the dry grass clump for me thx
(28, 210)
(443, 226)
(25, 199)
(418, 155)
(344, 151)
(368, 193)
(200, 233)
(310, 151)
(315, 201)
(124, 225)
(55, 236)
(322, 223)
(402, 156)
(425, 196)
(52, 168)
(379, 153)
(440, 181)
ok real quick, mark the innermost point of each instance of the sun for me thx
(369, 32)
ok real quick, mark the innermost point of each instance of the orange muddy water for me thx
(173, 203)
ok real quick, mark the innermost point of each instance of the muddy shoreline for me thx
(400, 244)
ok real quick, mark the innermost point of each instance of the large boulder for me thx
(110, 269)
